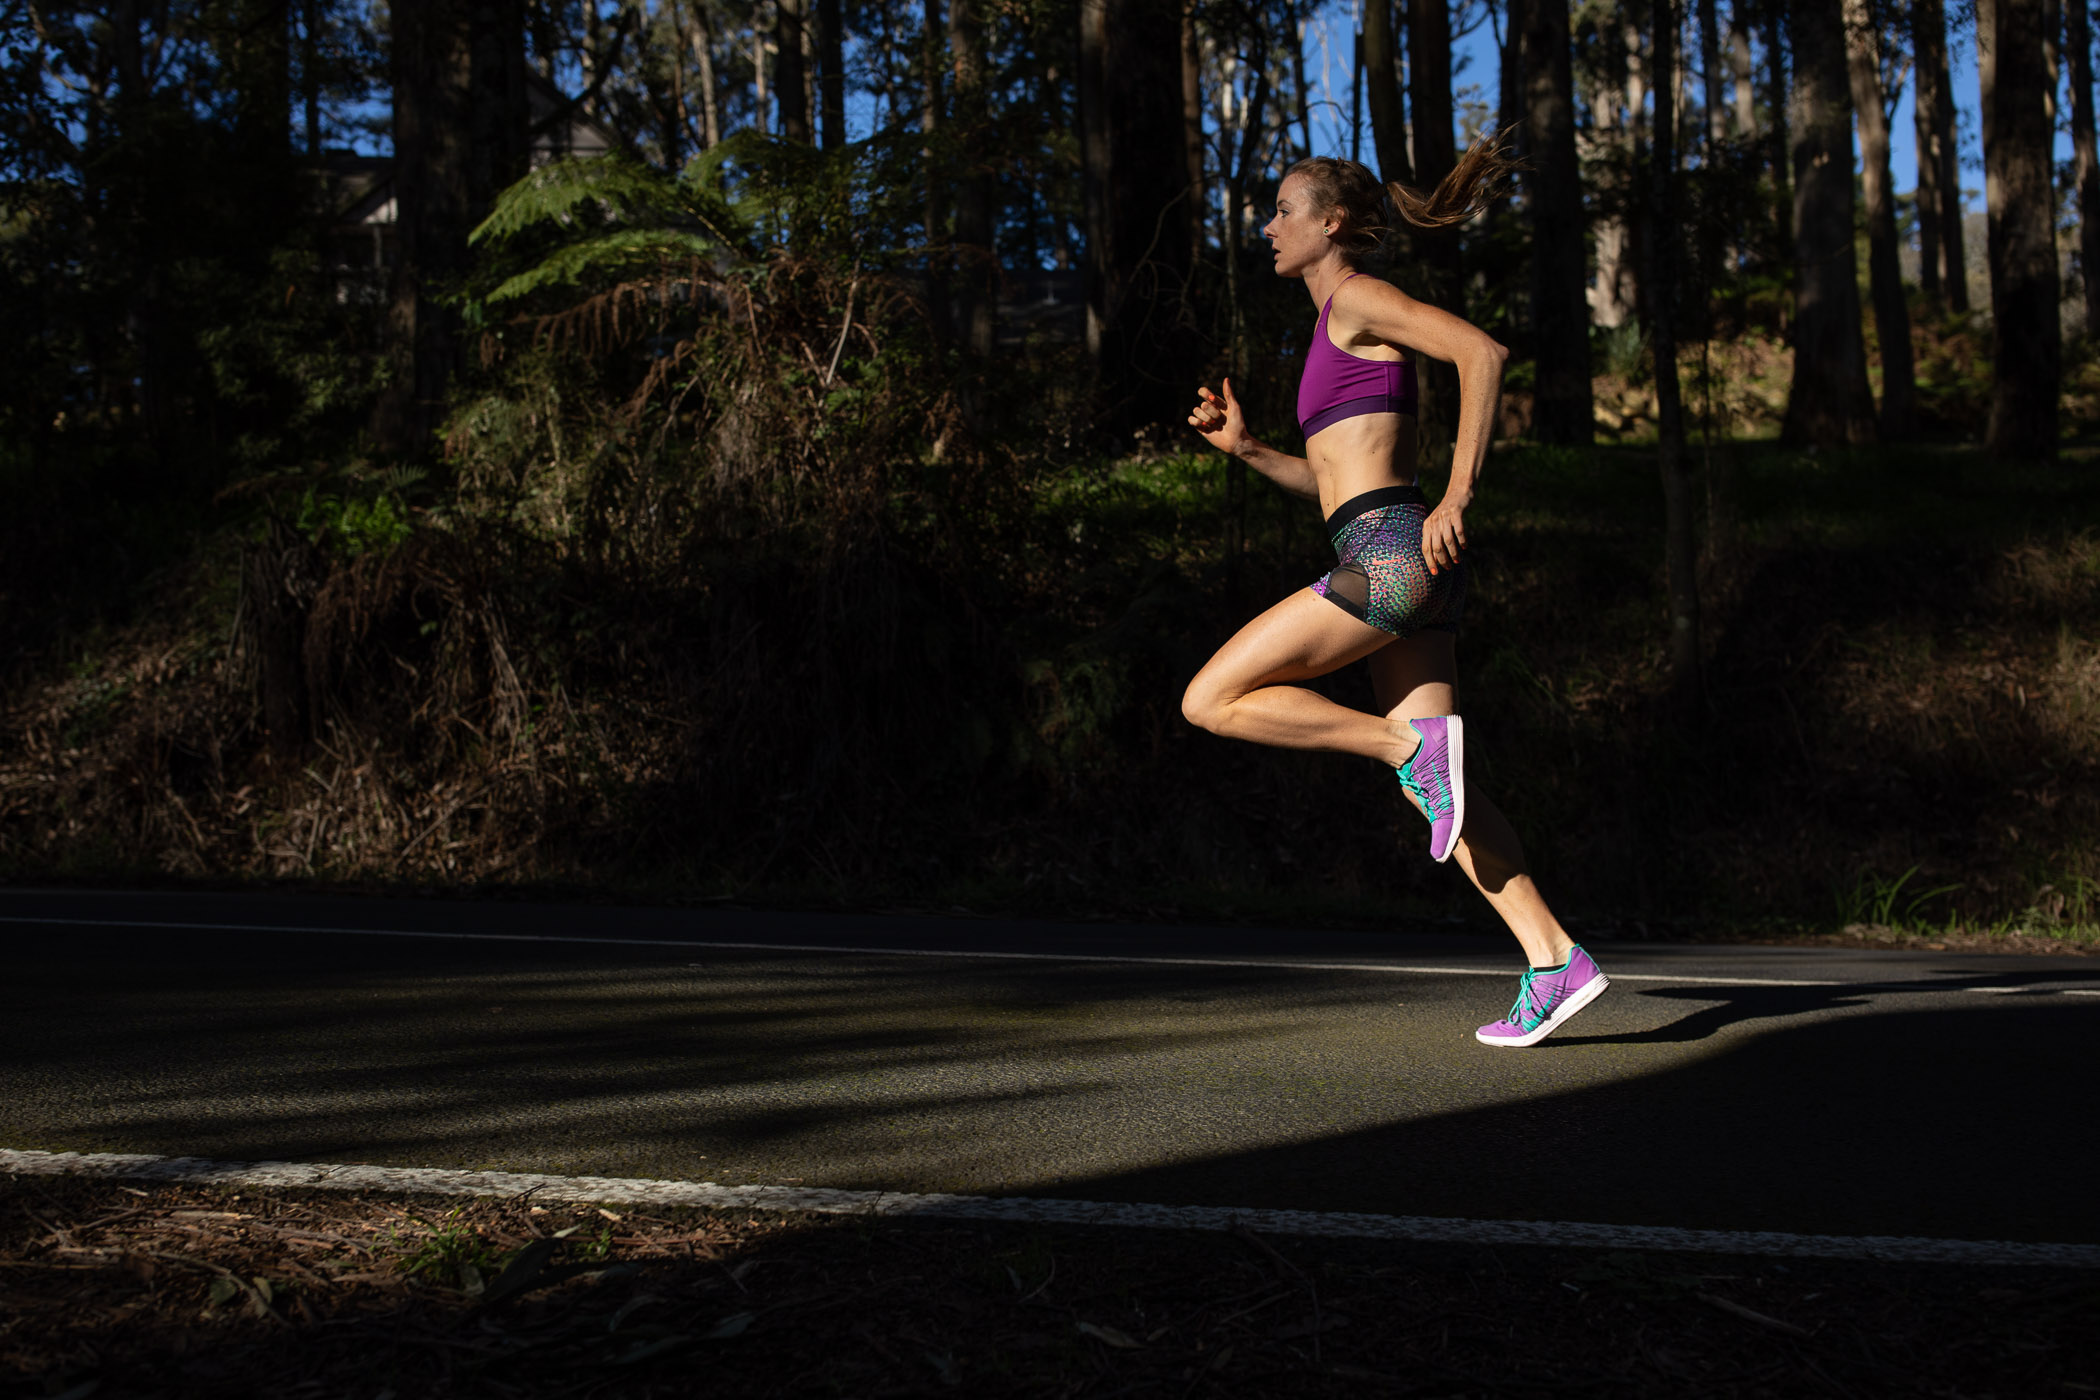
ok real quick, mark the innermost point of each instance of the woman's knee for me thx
(1204, 703)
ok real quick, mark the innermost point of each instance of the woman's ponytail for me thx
(1482, 176)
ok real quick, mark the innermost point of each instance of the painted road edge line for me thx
(1027, 1210)
(883, 952)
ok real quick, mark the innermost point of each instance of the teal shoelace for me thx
(1434, 806)
(1522, 1004)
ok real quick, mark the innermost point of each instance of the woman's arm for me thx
(1225, 428)
(1374, 306)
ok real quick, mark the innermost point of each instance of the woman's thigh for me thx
(1417, 676)
(1301, 637)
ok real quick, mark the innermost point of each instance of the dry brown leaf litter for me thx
(109, 1290)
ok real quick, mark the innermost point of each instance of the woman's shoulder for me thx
(1367, 306)
(1368, 291)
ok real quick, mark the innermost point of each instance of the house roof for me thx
(361, 188)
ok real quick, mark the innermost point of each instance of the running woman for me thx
(1398, 586)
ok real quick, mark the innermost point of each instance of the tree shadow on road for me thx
(1719, 1007)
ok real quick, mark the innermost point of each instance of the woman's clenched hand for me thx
(1444, 536)
(1219, 420)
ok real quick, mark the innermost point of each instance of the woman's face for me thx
(1299, 232)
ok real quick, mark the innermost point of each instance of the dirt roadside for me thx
(115, 1290)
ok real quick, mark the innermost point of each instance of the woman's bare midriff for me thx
(1361, 454)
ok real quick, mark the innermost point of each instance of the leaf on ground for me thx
(1325, 1322)
(733, 1325)
(521, 1273)
(647, 1351)
(223, 1290)
(1753, 1315)
(1111, 1336)
(628, 1309)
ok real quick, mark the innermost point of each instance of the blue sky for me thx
(1329, 45)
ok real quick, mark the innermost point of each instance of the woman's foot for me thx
(1435, 776)
(1545, 1000)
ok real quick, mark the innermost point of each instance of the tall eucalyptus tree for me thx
(1137, 195)
(1383, 93)
(1435, 144)
(1563, 410)
(1680, 544)
(790, 86)
(1899, 397)
(1829, 402)
(1779, 140)
(460, 136)
(1942, 262)
(2078, 46)
(2026, 338)
(975, 192)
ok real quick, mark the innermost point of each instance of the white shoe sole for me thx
(1455, 763)
(1588, 993)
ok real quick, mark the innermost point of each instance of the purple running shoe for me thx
(1547, 998)
(1435, 775)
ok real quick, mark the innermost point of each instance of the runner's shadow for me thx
(1743, 1004)
(1737, 1005)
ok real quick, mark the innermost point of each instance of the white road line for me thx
(1328, 1224)
(886, 952)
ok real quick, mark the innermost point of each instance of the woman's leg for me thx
(1245, 691)
(1417, 677)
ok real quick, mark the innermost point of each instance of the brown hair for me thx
(1481, 176)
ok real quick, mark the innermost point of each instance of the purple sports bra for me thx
(1338, 385)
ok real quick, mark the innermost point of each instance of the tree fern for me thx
(611, 255)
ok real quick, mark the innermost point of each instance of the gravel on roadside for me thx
(116, 1290)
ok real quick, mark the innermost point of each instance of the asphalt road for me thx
(1811, 1090)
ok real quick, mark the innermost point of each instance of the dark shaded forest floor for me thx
(1899, 740)
(109, 1290)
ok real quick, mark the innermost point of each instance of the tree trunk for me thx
(977, 306)
(310, 73)
(1739, 71)
(460, 137)
(1134, 147)
(1296, 23)
(831, 69)
(1192, 131)
(1680, 542)
(1929, 52)
(1436, 148)
(1509, 103)
(2026, 339)
(1382, 88)
(1953, 240)
(1562, 409)
(1829, 403)
(678, 116)
(1714, 80)
(1899, 395)
(2078, 40)
(1437, 265)
(1616, 103)
(790, 86)
(1781, 148)
(932, 49)
(704, 56)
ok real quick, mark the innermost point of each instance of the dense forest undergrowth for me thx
(612, 684)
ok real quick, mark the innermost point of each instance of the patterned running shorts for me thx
(1380, 576)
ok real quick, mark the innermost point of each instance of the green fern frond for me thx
(610, 253)
(558, 191)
